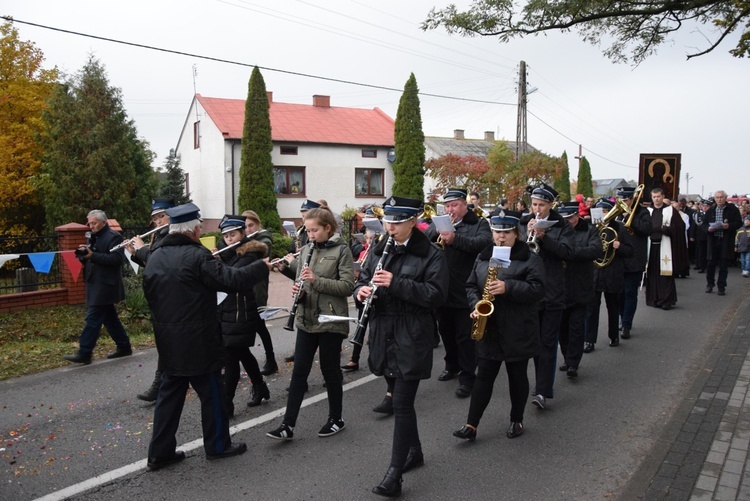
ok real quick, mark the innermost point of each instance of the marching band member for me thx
(512, 331)
(412, 283)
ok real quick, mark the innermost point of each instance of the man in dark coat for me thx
(102, 271)
(722, 222)
(554, 243)
(579, 286)
(180, 281)
(635, 265)
(471, 235)
(701, 235)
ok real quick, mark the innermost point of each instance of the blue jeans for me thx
(629, 298)
(745, 261)
(96, 316)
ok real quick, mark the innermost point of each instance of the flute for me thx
(225, 248)
(283, 260)
(125, 243)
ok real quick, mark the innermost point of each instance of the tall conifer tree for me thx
(408, 168)
(585, 184)
(562, 181)
(173, 185)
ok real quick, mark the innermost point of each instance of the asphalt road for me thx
(80, 424)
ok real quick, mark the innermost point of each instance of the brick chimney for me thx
(270, 96)
(458, 134)
(321, 101)
(489, 135)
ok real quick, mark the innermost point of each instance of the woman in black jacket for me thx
(239, 315)
(512, 330)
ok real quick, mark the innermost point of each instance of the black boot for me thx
(385, 407)
(270, 367)
(414, 458)
(153, 391)
(391, 485)
(260, 392)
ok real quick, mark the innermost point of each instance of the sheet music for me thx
(443, 224)
(291, 230)
(374, 224)
(501, 255)
(270, 311)
(597, 214)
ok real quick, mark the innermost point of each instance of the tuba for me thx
(608, 234)
(484, 307)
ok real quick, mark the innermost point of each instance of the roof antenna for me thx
(195, 91)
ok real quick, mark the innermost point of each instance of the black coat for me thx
(472, 235)
(239, 310)
(556, 247)
(402, 319)
(141, 255)
(734, 219)
(579, 269)
(512, 332)
(612, 278)
(103, 270)
(180, 282)
(641, 227)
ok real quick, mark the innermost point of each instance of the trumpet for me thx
(531, 238)
(125, 243)
(298, 295)
(439, 242)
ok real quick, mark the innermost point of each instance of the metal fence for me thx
(18, 275)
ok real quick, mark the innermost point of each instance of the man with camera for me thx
(103, 280)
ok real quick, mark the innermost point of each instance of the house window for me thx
(369, 153)
(288, 150)
(197, 135)
(289, 180)
(369, 182)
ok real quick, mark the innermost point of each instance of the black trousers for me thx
(546, 362)
(716, 259)
(460, 355)
(169, 405)
(328, 344)
(518, 387)
(629, 298)
(701, 253)
(265, 337)
(572, 331)
(405, 430)
(235, 356)
(612, 301)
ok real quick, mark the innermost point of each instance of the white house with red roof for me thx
(320, 151)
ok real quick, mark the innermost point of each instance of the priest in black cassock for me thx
(667, 252)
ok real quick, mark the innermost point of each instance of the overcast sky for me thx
(699, 108)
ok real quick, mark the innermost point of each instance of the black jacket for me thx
(556, 247)
(641, 228)
(239, 310)
(579, 268)
(180, 282)
(612, 278)
(103, 270)
(733, 218)
(472, 235)
(512, 332)
(402, 319)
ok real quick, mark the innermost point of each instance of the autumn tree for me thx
(585, 185)
(173, 185)
(24, 89)
(256, 168)
(634, 30)
(408, 168)
(93, 157)
(453, 170)
(562, 181)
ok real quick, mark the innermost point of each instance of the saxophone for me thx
(484, 307)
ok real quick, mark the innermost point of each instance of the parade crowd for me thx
(510, 287)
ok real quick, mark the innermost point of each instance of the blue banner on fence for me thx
(42, 261)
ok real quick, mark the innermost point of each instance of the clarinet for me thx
(298, 295)
(359, 334)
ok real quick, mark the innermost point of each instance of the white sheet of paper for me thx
(220, 297)
(716, 225)
(543, 225)
(501, 255)
(133, 264)
(440, 209)
(597, 214)
(291, 230)
(269, 311)
(443, 223)
(373, 224)
(335, 318)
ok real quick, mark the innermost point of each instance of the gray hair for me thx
(724, 193)
(186, 227)
(99, 214)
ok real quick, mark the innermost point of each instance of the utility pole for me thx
(521, 137)
(688, 177)
(579, 157)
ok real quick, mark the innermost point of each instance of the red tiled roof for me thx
(306, 123)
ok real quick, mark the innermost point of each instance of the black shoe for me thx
(390, 487)
(153, 391)
(283, 432)
(709, 289)
(701, 271)
(78, 358)
(289, 359)
(666, 307)
(588, 347)
(625, 333)
(447, 375)
(384, 407)
(350, 367)
(514, 430)
(572, 372)
(466, 433)
(414, 458)
(722, 292)
(270, 367)
(614, 342)
(563, 368)
(259, 394)
(235, 449)
(121, 352)
(154, 464)
(463, 391)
